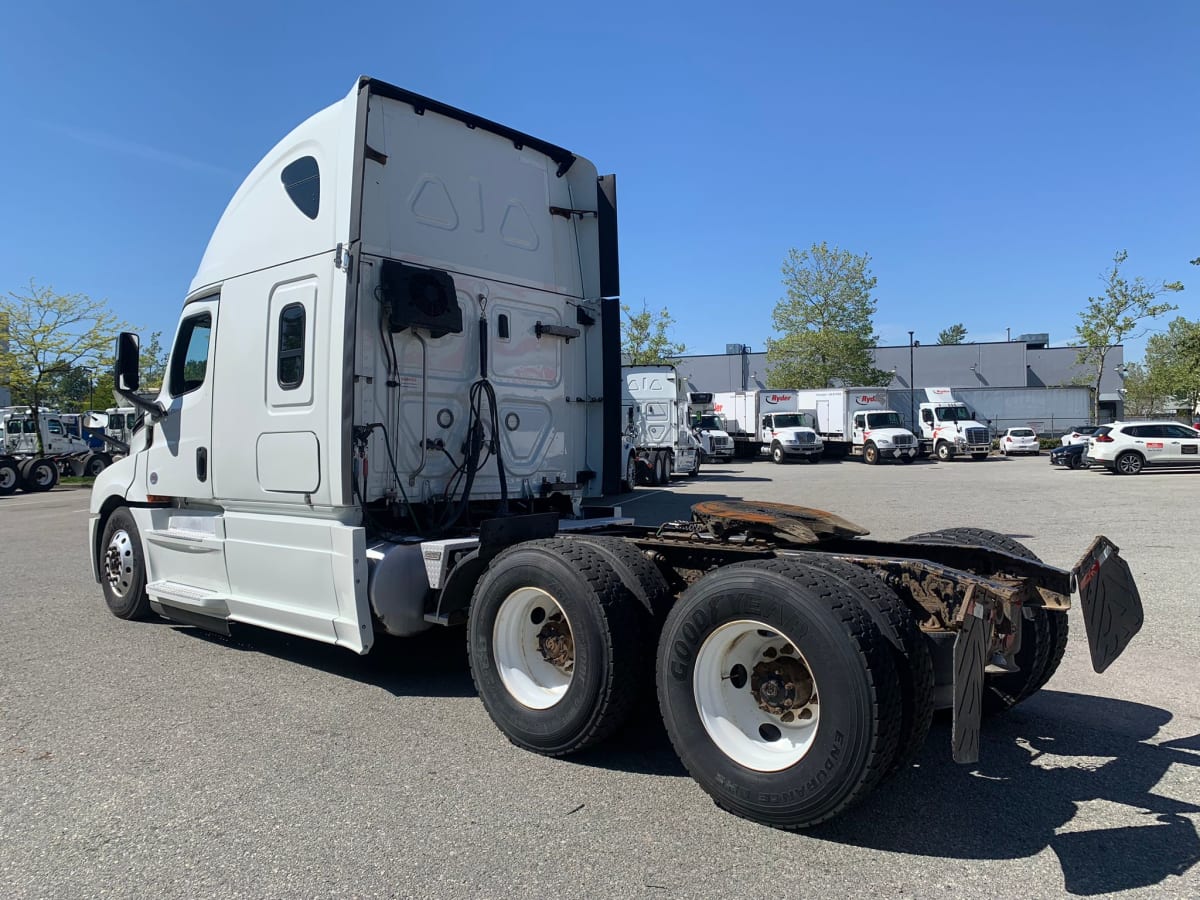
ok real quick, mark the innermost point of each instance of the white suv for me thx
(1128, 447)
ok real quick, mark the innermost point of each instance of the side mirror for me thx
(125, 369)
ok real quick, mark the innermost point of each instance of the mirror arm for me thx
(152, 408)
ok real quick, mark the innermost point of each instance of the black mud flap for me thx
(970, 657)
(1112, 606)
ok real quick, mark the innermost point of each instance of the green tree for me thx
(955, 334)
(49, 335)
(152, 363)
(825, 321)
(1118, 314)
(1144, 395)
(1173, 358)
(645, 337)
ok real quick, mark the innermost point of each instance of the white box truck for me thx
(944, 425)
(654, 407)
(859, 422)
(395, 379)
(771, 421)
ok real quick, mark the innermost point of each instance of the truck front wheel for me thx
(777, 455)
(945, 451)
(123, 567)
(10, 477)
(870, 454)
(554, 640)
(778, 692)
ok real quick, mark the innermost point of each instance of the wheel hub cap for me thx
(119, 563)
(556, 644)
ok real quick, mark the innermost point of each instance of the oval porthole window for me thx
(445, 418)
(512, 421)
(302, 181)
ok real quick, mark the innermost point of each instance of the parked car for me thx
(1078, 435)
(1020, 440)
(1128, 447)
(1073, 456)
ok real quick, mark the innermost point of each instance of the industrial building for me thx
(1023, 381)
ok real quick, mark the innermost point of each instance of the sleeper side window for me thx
(189, 359)
(290, 368)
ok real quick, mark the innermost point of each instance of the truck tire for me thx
(10, 476)
(695, 469)
(631, 473)
(745, 648)
(1043, 637)
(40, 475)
(95, 463)
(123, 567)
(554, 641)
(870, 454)
(944, 451)
(909, 647)
(662, 468)
(777, 455)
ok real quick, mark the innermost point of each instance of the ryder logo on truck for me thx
(772, 399)
(867, 399)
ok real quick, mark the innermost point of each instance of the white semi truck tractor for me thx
(709, 428)
(944, 425)
(654, 408)
(859, 422)
(396, 380)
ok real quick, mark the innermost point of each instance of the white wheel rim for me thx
(534, 648)
(120, 565)
(729, 697)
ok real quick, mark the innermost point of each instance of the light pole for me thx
(912, 397)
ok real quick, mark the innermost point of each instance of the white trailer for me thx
(859, 422)
(654, 407)
(396, 378)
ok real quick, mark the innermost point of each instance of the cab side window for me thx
(54, 426)
(189, 359)
(290, 367)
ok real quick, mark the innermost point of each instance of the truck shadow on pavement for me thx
(1071, 772)
(1050, 774)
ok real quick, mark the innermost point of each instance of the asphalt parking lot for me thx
(145, 759)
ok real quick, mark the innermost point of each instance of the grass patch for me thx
(77, 479)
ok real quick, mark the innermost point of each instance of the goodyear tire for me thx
(554, 640)
(123, 567)
(10, 477)
(1043, 637)
(745, 648)
(909, 648)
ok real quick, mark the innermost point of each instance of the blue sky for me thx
(990, 158)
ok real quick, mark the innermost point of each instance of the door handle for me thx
(202, 464)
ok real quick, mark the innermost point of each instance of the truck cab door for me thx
(927, 425)
(859, 427)
(178, 460)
